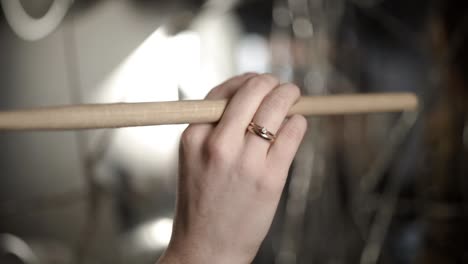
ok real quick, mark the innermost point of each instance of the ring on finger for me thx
(261, 132)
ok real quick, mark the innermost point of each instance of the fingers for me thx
(283, 150)
(195, 134)
(242, 107)
(229, 87)
(271, 115)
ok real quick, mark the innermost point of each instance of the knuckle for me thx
(281, 98)
(275, 101)
(217, 149)
(189, 137)
(263, 81)
(270, 78)
(292, 90)
(214, 92)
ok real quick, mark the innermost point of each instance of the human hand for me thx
(231, 180)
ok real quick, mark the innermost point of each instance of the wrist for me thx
(188, 253)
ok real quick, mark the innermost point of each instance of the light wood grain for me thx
(181, 112)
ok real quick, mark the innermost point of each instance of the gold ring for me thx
(261, 132)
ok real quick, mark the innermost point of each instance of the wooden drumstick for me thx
(93, 116)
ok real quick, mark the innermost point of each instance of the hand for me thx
(231, 180)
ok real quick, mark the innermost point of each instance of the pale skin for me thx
(231, 180)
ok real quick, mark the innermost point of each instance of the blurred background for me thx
(374, 188)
